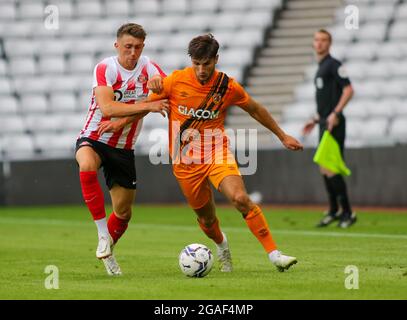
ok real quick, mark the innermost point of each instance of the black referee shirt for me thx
(329, 81)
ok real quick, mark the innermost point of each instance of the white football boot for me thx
(104, 252)
(224, 257)
(282, 262)
(111, 265)
(104, 248)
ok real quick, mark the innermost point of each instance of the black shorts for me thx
(338, 132)
(118, 164)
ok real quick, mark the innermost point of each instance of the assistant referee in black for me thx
(333, 92)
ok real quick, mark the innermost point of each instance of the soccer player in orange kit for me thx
(199, 97)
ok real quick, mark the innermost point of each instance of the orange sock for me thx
(258, 226)
(213, 231)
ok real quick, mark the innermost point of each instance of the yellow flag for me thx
(328, 155)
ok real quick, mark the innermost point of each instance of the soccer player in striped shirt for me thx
(119, 86)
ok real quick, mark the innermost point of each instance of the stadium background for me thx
(46, 72)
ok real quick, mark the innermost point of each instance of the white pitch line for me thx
(59, 222)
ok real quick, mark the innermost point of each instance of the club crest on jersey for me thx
(118, 95)
(142, 78)
(198, 113)
(217, 98)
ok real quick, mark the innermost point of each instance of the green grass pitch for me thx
(33, 238)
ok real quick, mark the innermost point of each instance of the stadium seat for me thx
(398, 129)
(372, 31)
(51, 65)
(378, 70)
(18, 146)
(401, 13)
(172, 60)
(395, 88)
(398, 30)
(305, 91)
(234, 5)
(198, 23)
(239, 57)
(81, 63)
(33, 103)
(84, 101)
(356, 110)
(54, 47)
(89, 9)
(62, 102)
(209, 6)
(39, 123)
(266, 5)
(9, 105)
(378, 12)
(5, 86)
(390, 50)
(30, 10)
(56, 144)
(23, 66)
(20, 48)
(374, 128)
(259, 19)
(141, 7)
(11, 124)
(362, 51)
(247, 38)
(38, 84)
(3, 67)
(8, 11)
(175, 6)
(120, 8)
(299, 111)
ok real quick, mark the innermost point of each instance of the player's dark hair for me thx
(324, 31)
(132, 29)
(203, 47)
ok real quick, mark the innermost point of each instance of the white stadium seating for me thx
(375, 57)
(46, 75)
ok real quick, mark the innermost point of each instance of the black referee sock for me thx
(339, 185)
(333, 203)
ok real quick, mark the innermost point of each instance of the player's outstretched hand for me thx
(110, 126)
(291, 143)
(308, 127)
(159, 106)
(155, 84)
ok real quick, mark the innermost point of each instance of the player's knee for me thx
(207, 221)
(241, 200)
(124, 213)
(88, 166)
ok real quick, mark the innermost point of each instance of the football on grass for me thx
(196, 260)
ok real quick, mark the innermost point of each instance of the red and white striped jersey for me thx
(129, 86)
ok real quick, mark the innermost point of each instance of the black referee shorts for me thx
(118, 164)
(338, 132)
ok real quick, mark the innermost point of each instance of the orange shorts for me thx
(194, 180)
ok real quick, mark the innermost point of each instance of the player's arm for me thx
(261, 115)
(347, 94)
(338, 72)
(111, 108)
(118, 124)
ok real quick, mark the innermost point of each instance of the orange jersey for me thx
(197, 113)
